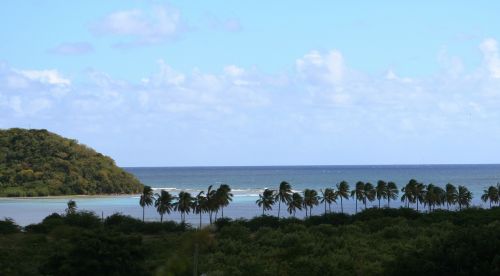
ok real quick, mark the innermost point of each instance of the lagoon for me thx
(248, 182)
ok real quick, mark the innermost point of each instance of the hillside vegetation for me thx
(41, 163)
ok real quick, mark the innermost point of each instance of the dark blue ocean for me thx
(248, 182)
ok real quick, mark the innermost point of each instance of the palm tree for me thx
(212, 204)
(498, 189)
(358, 193)
(163, 203)
(200, 204)
(328, 196)
(146, 199)
(491, 195)
(391, 192)
(184, 204)
(381, 191)
(266, 200)
(311, 199)
(440, 196)
(408, 192)
(284, 194)
(224, 196)
(451, 195)
(464, 197)
(418, 193)
(369, 193)
(342, 192)
(71, 207)
(431, 196)
(296, 203)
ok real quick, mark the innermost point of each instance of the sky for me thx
(229, 83)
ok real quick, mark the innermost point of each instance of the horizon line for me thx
(345, 165)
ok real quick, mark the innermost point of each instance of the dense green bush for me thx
(8, 226)
(128, 224)
(372, 242)
(97, 253)
(40, 163)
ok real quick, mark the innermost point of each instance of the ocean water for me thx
(248, 182)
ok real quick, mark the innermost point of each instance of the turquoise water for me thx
(248, 182)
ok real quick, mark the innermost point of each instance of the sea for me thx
(248, 182)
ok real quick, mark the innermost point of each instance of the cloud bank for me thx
(321, 107)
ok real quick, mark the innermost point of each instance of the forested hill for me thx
(41, 163)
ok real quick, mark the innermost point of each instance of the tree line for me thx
(212, 201)
(413, 193)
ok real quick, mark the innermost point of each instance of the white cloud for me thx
(45, 76)
(167, 75)
(391, 75)
(321, 68)
(452, 65)
(30, 92)
(489, 47)
(157, 25)
(234, 71)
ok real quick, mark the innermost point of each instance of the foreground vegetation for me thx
(40, 163)
(373, 242)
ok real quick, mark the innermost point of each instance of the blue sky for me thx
(155, 83)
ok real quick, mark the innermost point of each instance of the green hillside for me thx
(41, 163)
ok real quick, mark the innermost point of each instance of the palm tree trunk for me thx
(279, 208)
(262, 209)
(379, 203)
(143, 213)
(161, 218)
(222, 210)
(325, 207)
(388, 202)
(341, 206)
(200, 220)
(306, 211)
(417, 205)
(329, 208)
(356, 206)
(210, 215)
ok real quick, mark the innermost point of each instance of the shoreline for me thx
(69, 196)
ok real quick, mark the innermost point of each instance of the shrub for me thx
(8, 226)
